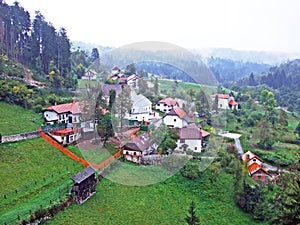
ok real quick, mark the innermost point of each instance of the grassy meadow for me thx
(15, 119)
(32, 173)
(166, 202)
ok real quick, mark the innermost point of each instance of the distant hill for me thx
(227, 70)
(260, 57)
(88, 47)
(284, 80)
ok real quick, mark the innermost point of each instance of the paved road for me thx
(236, 138)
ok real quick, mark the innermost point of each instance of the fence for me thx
(49, 199)
(20, 137)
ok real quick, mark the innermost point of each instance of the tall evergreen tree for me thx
(192, 218)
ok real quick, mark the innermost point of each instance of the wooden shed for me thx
(84, 185)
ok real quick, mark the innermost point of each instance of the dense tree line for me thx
(36, 44)
(284, 80)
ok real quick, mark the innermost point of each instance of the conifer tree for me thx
(192, 218)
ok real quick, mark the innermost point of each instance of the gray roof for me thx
(107, 87)
(140, 143)
(83, 174)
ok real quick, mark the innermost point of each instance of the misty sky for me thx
(267, 25)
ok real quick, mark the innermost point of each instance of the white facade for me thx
(52, 117)
(174, 121)
(133, 156)
(141, 109)
(192, 144)
(64, 140)
(223, 103)
(163, 107)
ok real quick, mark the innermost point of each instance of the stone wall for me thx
(20, 137)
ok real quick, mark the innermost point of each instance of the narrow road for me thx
(236, 138)
(239, 146)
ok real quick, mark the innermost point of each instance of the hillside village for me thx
(147, 133)
(143, 114)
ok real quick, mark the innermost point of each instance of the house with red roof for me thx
(225, 101)
(191, 137)
(177, 118)
(165, 105)
(68, 114)
(63, 113)
(255, 167)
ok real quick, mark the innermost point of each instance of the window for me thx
(182, 141)
(134, 153)
(195, 148)
(158, 104)
(165, 110)
(174, 120)
(165, 105)
(126, 153)
(220, 105)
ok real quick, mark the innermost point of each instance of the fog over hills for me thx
(264, 57)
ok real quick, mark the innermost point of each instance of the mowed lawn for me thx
(35, 170)
(166, 202)
(15, 119)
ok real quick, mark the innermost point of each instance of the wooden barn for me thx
(84, 185)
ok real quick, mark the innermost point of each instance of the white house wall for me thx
(223, 103)
(174, 121)
(163, 107)
(50, 116)
(193, 144)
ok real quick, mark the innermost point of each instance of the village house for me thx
(177, 118)
(90, 75)
(191, 137)
(115, 70)
(132, 80)
(255, 167)
(136, 148)
(165, 105)
(141, 110)
(68, 114)
(225, 101)
(84, 185)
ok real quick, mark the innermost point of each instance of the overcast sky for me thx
(267, 25)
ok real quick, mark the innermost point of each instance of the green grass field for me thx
(166, 202)
(83, 83)
(31, 173)
(166, 85)
(94, 153)
(15, 119)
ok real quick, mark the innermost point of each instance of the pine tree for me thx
(192, 218)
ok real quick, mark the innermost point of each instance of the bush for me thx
(38, 108)
(190, 170)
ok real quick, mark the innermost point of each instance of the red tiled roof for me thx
(223, 96)
(66, 131)
(168, 101)
(254, 167)
(204, 133)
(177, 111)
(232, 102)
(73, 107)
